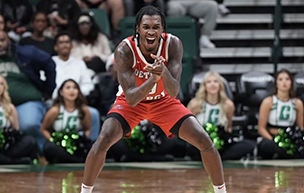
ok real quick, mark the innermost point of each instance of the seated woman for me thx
(39, 23)
(281, 110)
(18, 149)
(69, 112)
(211, 105)
(90, 44)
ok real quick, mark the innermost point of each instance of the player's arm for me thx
(126, 78)
(299, 107)
(265, 109)
(48, 120)
(172, 73)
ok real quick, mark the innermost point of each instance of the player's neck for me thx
(147, 54)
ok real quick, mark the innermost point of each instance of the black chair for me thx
(196, 80)
(299, 85)
(251, 89)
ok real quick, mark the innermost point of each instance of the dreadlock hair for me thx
(148, 10)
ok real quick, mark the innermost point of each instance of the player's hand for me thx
(158, 67)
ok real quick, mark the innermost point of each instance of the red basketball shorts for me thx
(165, 112)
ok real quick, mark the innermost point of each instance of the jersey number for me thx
(153, 90)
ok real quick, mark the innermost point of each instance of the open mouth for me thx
(150, 40)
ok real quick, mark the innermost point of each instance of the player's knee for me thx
(208, 149)
(103, 143)
(204, 143)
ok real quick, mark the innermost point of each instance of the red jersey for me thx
(158, 107)
(139, 62)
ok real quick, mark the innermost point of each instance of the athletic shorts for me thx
(165, 113)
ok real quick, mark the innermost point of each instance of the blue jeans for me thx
(30, 117)
(95, 123)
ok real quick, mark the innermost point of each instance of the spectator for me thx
(17, 14)
(89, 44)
(281, 110)
(224, 11)
(115, 9)
(69, 112)
(198, 9)
(68, 67)
(24, 149)
(2, 23)
(211, 105)
(108, 86)
(133, 6)
(20, 65)
(59, 12)
(39, 25)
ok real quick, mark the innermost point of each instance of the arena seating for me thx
(299, 85)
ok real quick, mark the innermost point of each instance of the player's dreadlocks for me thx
(148, 10)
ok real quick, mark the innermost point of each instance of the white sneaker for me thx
(205, 42)
(224, 11)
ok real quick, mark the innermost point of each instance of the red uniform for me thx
(158, 107)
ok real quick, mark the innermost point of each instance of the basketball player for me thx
(149, 66)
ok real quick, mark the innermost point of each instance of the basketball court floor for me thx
(273, 176)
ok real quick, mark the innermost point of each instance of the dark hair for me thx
(4, 20)
(35, 15)
(148, 10)
(291, 90)
(79, 102)
(63, 33)
(93, 34)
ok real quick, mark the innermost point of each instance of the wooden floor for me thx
(164, 177)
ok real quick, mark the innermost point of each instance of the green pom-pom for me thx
(284, 141)
(66, 139)
(212, 131)
(137, 141)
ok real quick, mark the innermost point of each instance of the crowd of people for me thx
(59, 77)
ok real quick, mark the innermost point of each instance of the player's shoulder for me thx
(175, 44)
(174, 39)
(123, 54)
(122, 51)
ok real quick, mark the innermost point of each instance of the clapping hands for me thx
(157, 68)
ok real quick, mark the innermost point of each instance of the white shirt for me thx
(73, 69)
(100, 48)
(67, 120)
(3, 121)
(283, 113)
(210, 114)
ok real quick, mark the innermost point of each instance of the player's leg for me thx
(192, 132)
(110, 133)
